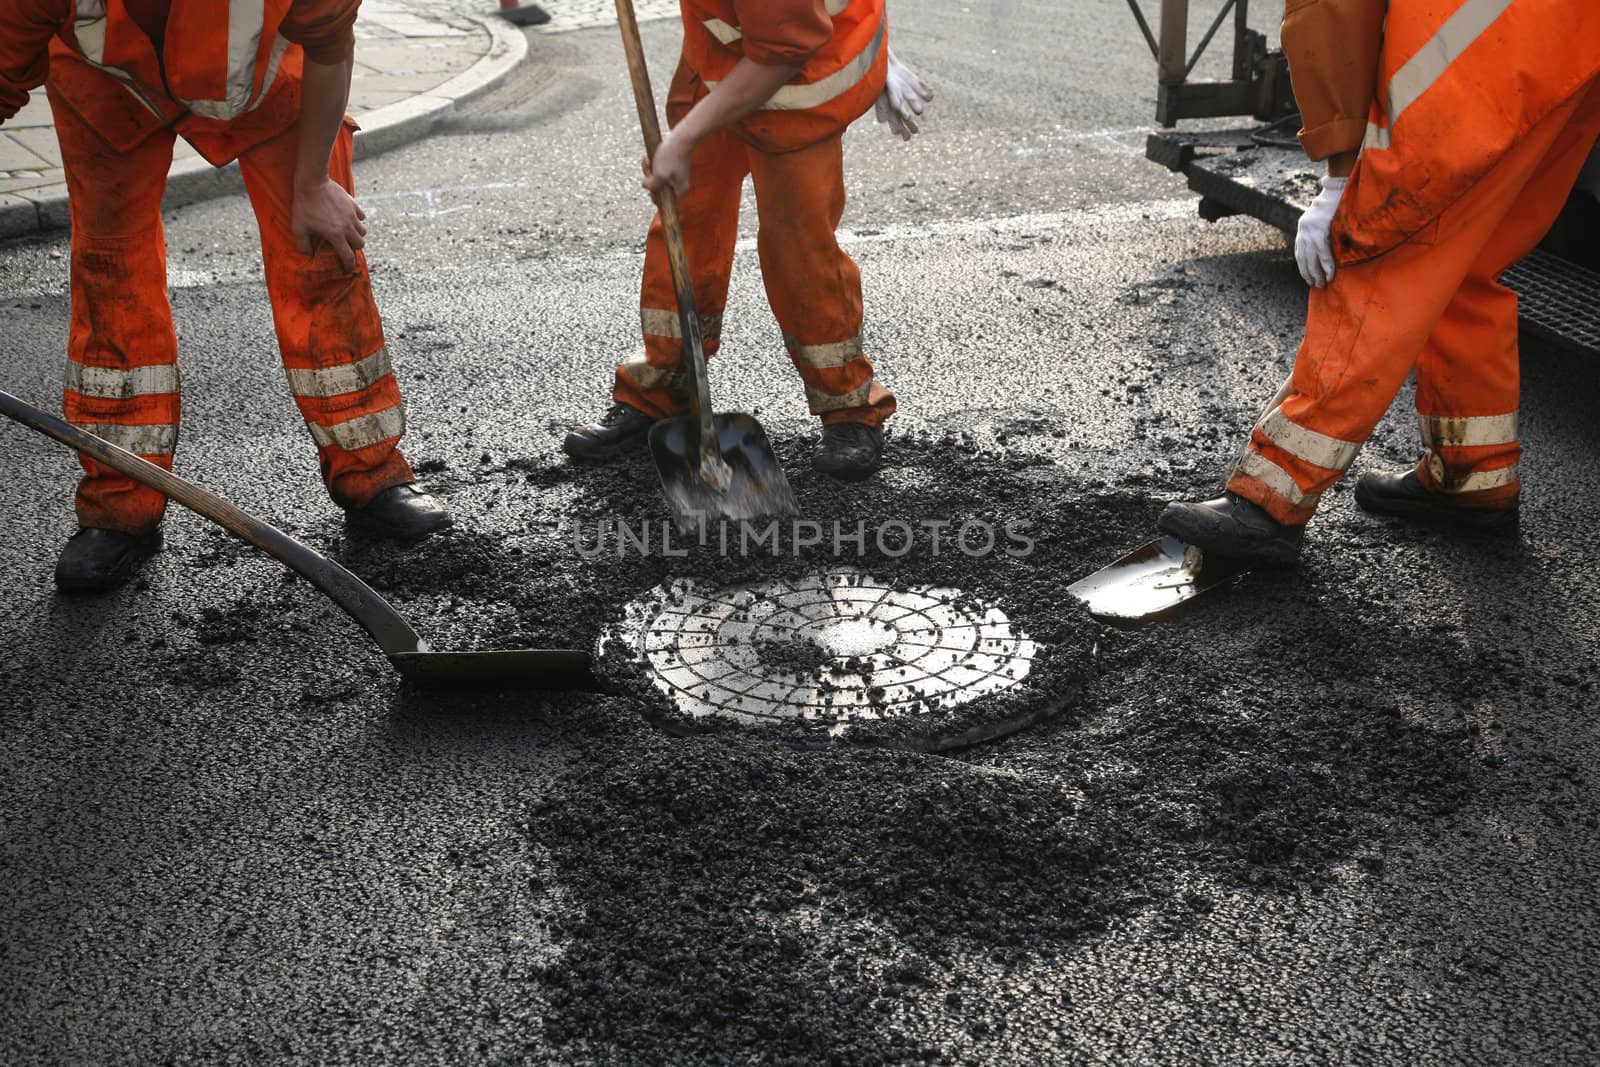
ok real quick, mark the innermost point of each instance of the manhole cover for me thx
(828, 649)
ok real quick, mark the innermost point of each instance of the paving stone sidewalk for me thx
(415, 60)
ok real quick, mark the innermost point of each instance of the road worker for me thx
(765, 88)
(1453, 132)
(263, 82)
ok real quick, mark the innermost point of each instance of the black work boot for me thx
(621, 428)
(849, 451)
(95, 560)
(401, 512)
(1233, 528)
(1402, 493)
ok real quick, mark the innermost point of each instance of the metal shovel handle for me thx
(667, 203)
(376, 616)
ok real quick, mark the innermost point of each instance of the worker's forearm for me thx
(324, 92)
(743, 91)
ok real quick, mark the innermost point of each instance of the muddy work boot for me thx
(849, 451)
(95, 560)
(1402, 493)
(400, 513)
(1233, 528)
(622, 429)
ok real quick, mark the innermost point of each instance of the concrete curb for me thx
(44, 210)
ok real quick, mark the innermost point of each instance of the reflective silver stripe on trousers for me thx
(140, 440)
(1472, 483)
(727, 34)
(649, 376)
(825, 357)
(1423, 69)
(104, 383)
(817, 93)
(245, 23)
(361, 432)
(1274, 477)
(1468, 431)
(658, 322)
(335, 381)
(1318, 449)
(822, 403)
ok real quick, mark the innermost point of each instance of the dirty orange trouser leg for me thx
(328, 332)
(654, 383)
(122, 351)
(1433, 303)
(813, 286)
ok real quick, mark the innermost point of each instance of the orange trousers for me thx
(813, 287)
(1433, 303)
(122, 350)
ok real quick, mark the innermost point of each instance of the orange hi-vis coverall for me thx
(1473, 119)
(793, 150)
(125, 78)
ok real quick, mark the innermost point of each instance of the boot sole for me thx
(1483, 520)
(1188, 529)
(847, 474)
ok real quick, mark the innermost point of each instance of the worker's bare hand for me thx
(670, 166)
(327, 213)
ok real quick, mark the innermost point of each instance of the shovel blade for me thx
(538, 668)
(1151, 581)
(757, 489)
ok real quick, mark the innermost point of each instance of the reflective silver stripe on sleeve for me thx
(140, 440)
(658, 322)
(1253, 464)
(822, 402)
(728, 34)
(361, 432)
(1318, 449)
(649, 376)
(1468, 431)
(722, 31)
(1423, 69)
(105, 383)
(335, 381)
(825, 357)
(817, 93)
(1472, 483)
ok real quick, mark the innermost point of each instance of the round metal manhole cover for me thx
(828, 649)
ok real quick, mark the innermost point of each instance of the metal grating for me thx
(834, 647)
(1559, 300)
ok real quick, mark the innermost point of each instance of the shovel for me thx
(1155, 578)
(539, 667)
(711, 466)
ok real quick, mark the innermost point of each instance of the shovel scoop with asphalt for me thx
(544, 668)
(712, 466)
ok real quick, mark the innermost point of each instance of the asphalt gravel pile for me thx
(728, 895)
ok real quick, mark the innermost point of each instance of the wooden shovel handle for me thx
(667, 203)
(375, 615)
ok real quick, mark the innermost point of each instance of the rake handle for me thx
(358, 599)
(667, 204)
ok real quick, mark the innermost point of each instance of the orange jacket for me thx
(1332, 47)
(841, 47)
(228, 74)
(1459, 83)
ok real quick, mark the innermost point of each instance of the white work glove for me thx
(904, 95)
(1313, 249)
